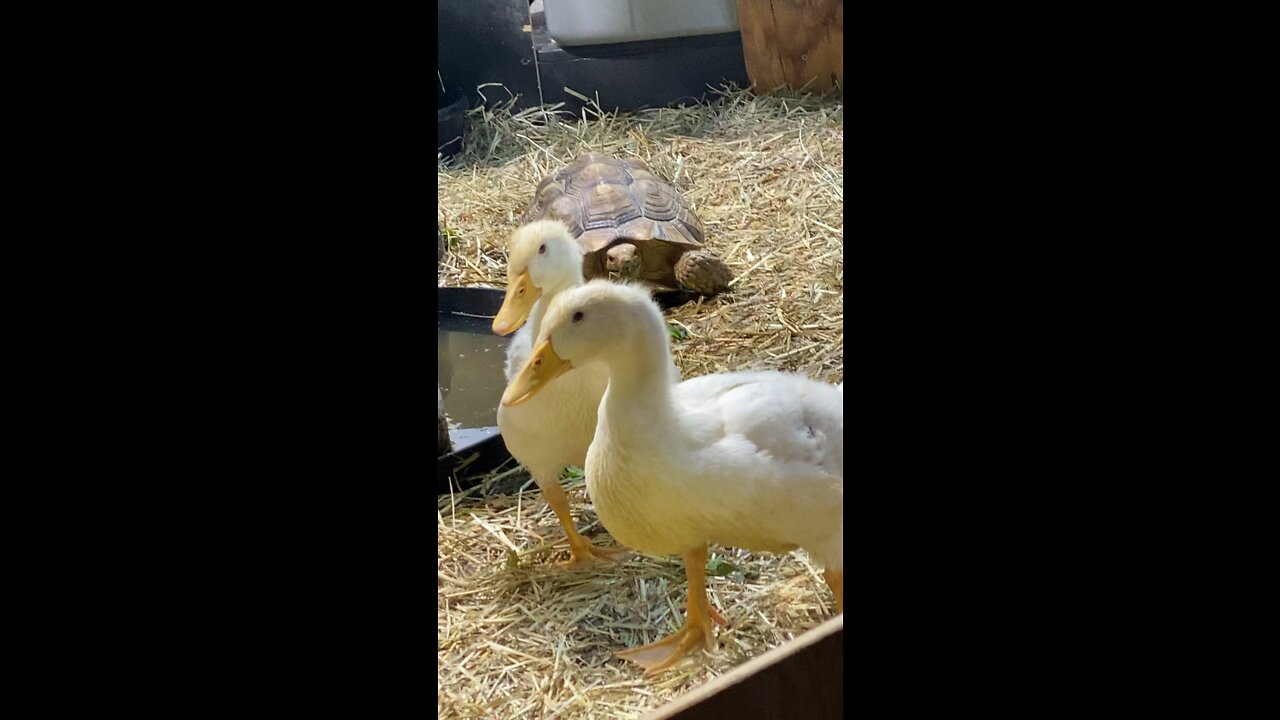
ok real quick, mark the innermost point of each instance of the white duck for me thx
(750, 459)
(554, 430)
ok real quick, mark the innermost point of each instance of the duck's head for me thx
(600, 320)
(542, 257)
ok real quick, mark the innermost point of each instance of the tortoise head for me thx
(542, 258)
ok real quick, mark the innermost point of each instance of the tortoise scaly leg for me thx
(701, 272)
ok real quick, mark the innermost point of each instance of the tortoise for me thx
(629, 220)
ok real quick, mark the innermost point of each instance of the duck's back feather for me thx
(755, 460)
(791, 418)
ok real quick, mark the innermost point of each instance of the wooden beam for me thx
(793, 42)
(802, 679)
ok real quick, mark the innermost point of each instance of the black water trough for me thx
(470, 373)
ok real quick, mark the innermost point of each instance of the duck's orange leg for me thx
(658, 656)
(581, 550)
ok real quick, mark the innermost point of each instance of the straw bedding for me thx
(517, 636)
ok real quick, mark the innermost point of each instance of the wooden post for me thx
(791, 42)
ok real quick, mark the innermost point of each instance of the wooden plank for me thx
(793, 42)
(802, 679)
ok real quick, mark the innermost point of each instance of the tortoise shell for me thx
(605, 201)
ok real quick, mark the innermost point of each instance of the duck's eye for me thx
(521, 292)
(542, 249)
(577, 316)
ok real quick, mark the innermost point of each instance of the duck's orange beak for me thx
(521, 295)
(541, 368)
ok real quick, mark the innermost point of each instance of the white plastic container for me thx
(599, 22)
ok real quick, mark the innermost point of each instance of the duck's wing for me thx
(770, 416)
(766, 459)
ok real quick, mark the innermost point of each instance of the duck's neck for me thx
(639, 386)
(543, 302)
(535, 317)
